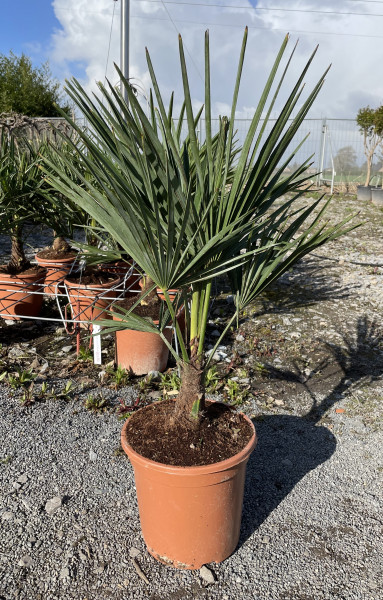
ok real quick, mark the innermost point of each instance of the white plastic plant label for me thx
(96, 345)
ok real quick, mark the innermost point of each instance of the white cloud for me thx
(354, 79)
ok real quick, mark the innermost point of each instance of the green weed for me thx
(21, 378)
(119, 377)
(170, 382)
(96, 403)
(85, 354)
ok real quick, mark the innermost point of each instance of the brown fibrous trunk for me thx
(60, 244)
(18, 261)
(152, 298)
(192, 390)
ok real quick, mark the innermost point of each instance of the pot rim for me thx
(53, 261)
(24, 275)
(216, 467)
(96, 287)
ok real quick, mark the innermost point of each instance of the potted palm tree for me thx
(21, 284)
(370, 123)
(185, 226)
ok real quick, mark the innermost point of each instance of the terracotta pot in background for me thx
(120, 268)
(141, 352)
(181, 316)
(190, 516)
(21, 295)
(88, 302)
(57, 270)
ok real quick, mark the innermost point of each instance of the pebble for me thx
(266, 539)
(16, 352)
(7, 515)
(278, 402)
(134, 552)
(67, 348)
(26, 561)
(34, 364)
(64, 573)
(92, 455)
(23, 478)
(239, 338)
(60, 331)
(26, 503)
(53, 505)
(207, 575)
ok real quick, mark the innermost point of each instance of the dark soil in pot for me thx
(91, 277)
(29, 271)
(151, 308)
(152, 433)
(52, 254)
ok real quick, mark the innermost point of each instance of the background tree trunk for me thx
(18, 261)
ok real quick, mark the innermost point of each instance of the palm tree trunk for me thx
(60, 244)
(190, 402)
(18, 261)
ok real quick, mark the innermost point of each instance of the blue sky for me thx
(26, 26)
(74, 36)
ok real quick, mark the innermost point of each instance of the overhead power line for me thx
(187, 50)
(263, 8)
(299, 31)
(206, 24)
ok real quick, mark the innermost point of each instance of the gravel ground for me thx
(312, 519)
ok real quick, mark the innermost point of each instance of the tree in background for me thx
(28, 90)
(345, 160)
(370, 122)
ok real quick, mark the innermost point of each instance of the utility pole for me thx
(124, 44)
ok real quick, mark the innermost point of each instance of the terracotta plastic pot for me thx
(21, 295)
(57, 270)
(88, 302)
(190, 516)
(120, 268)
(141, 352)
(181, 317)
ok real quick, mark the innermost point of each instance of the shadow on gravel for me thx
(289, 446)
(308, 284)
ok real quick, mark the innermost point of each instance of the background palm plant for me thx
(185, 213)
(20, 184)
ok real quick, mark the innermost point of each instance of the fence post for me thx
(322, 152)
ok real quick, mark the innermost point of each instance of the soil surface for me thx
(51, 254)
(30, 270)
(151, 307)
(92, 277)
(155, 434)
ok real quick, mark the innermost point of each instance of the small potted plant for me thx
(60, 215)
(21, 284)
(370, 122)
(184, 227)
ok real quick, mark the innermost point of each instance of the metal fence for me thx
(336, 147)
